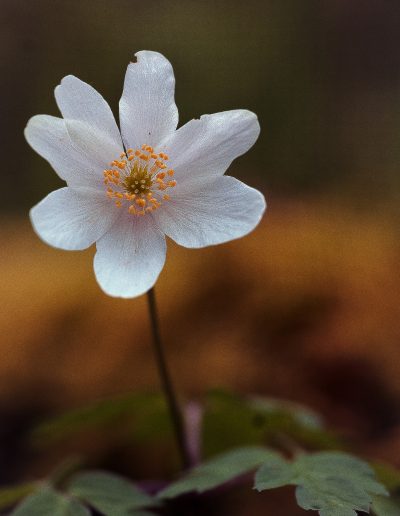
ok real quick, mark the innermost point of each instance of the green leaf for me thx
(275, 472)
(110, 494)
(12, 495)
(333, 483)
(258, 421)
(219, 470)
(331, 496)
(48, 502)
(383, 506)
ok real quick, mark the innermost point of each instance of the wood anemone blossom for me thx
(128, 188)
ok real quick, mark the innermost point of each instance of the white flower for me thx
(128, 189)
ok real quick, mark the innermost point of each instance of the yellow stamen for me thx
(134, 179)
(141, 202)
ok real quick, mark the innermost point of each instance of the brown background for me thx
(305, 308)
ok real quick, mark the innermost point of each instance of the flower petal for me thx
(72, 221)
(225, 210)
(148, 113)
(203, 149)
(130, 256)
(94, 144)
(77, 100)
(48, 136)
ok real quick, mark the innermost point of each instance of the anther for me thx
(135, 176)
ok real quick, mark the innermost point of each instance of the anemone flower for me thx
(128, 188)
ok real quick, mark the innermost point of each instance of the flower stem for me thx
(166, 382)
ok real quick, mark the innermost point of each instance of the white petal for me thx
(72, 221)
(48, 136)
(203, 149)
(148, 113)
(78, 101)
(226, 210)
(94, 144)
(130, 256)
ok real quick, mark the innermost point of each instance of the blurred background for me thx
(306, 308)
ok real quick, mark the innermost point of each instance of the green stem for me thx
(166, 382)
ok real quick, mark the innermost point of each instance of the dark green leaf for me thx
(332, 495)
(333, 483)
(48, 502)
(275, 472)
(219, 470)
(110, 494)
(384, 506)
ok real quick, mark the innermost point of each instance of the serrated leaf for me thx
(276, 472)
(48, 502)
(333, 465)
(384, 506)
(330, 496)
(219, 470)
(110, 494)
(332, 483)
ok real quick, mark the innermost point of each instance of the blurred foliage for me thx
(383, 506)
(231, 420)
(228, 420)
(141, 416)
(388, 475)
(48, 502)
(11, 495)
(331, 482)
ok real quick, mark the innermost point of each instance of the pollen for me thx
(137, 180)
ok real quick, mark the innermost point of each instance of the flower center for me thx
(138, 180)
